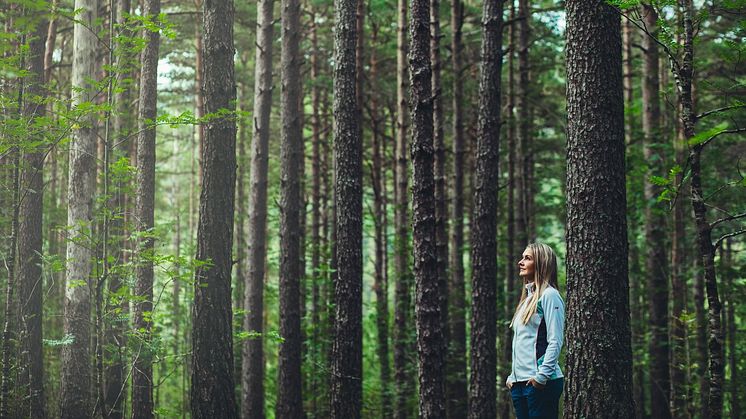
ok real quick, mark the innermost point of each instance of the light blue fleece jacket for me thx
(537, 344)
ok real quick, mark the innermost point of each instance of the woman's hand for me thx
(536, 384)
(509, 383)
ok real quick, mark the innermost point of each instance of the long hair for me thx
(545, 274)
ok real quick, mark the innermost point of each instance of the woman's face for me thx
(526, 267)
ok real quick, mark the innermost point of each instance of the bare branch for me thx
(714, 111)
(727, 131)
(727, 236)
(726, 219)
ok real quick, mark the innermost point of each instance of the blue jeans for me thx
(532, 403)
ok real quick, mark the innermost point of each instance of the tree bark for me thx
(457, 389)
(76, 361)
(212, 388)
(252, 387)
(482, 386)
(142, 375)
(597, 280)
(289, 399)
(30, 233)
(524, 150)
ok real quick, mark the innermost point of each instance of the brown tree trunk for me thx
(482, 386)
(599, 356)
(30, 224)
(457, 389)
(402, 298)
(726, 260)
(428, 296)
(656, 262)
(524, 186)
(212, 389)
(289, 399)
(252, 386)
(347, 362)
(142, 375)
(76, 361)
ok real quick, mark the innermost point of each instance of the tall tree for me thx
(656, 262)
(30, 232)
(482, 386)
(142, 378)
(428, 297)
(524, 216)
(402, 297)
(289, 399)
(457, 389)
(76, 370)
(252, 385)
(347, 350)
(212, 389)
(597, 281)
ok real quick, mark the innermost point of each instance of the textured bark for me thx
(457, 388)
(76, 369)
(289, 399)
(347, 356)
(30, 224)
(656, 262)
(142, 374)
(212, 388)
(7, 409)
(482, 384)
(428, 297)
(598, 346)
(404, 384)
(252, 384)
(380, 284)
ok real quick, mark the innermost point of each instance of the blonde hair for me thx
(545, 274)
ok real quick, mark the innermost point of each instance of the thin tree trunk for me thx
(656, 263)
(212, 388)
(252, 387)
(289, 399)
(76, 367)
(524, 152)
(457, 389)
(726, 260)
(142, 376)
(597, 276)
(30, 225)
(402, 298)
(482, 386)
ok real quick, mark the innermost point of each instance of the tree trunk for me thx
(30, 225)
(457, 388)
(656, 262)
(142, 375)
(597, 280)
(289, 399)
(524, 184)
(76, 361)
(402, 298)
(212, 389)
(252, 386)
(428, 297)
(726, 260)
(347, 362)
(482, 386)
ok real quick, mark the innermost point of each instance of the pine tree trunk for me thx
(457, 388)
(142, 375)
(212, 388)
(599, 356)
(402, 298)
(482, 386)
(656, 262)
(289, 399)
(252, 386)
(428, 297)
(524, 153)
(30, 225)
(347, 362)
(726, 260)
(76, 361)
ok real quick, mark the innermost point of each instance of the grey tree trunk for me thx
(212, 385)
(76, 361)
(598, 347)
(252, 385)
(482, 384)
(142, 374)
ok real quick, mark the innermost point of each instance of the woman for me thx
(536, 381)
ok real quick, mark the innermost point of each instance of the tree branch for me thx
(723, 109)
(727, 236)
(726, 219)
(727, 131)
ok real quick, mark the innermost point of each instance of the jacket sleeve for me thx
(554, 317)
